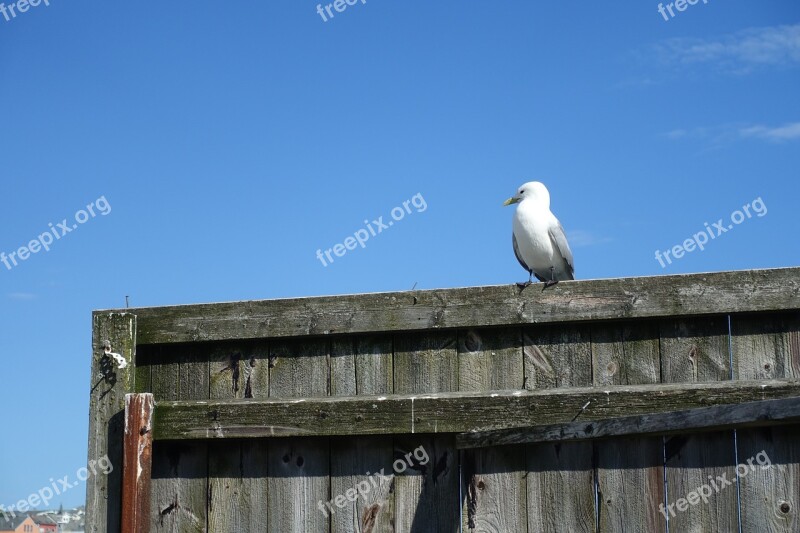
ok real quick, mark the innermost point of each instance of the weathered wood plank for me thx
(426, 491)
(592, 300)
(362, 486)
(446, 412)
(630, 471)
(178, 491)
(180, 469)
(490, 359)
(768, 347)
(493, 483)
(425, 363)
(109, 385)
(362, 495)
(142, 376)
(561, 493)
(299, 468)
(137, 463)
(165, 377)
(237, 471)
(693, 351)
(743, 415)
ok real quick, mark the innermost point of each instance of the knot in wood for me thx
(785, 507)
(693, 352)
(472, 341)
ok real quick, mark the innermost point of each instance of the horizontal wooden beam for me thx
(460, 412)
(572, 301)
(716, 418)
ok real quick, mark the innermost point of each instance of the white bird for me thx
(539, 241)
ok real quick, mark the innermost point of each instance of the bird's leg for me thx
(552, 281)
(529, 282)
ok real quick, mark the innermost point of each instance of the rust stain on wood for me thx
(137, 463)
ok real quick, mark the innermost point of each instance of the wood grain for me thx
(109, 385)
(361, 365)
(426, 492)
(703, 420)
(237, 470)
(561, 492)
(630, 471)
(768, 347)
(573, 301)
(299, 469)
(267, 409)
(445, 412)
(493, 483)
(697, 350)
(137, 463)
(180, 469)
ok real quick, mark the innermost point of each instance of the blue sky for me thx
(233, 140)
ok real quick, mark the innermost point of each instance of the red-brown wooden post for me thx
(137, 463)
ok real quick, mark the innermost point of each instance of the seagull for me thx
(539, 241)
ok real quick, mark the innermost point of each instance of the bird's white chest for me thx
(531, 227)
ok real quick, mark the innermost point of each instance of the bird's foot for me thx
(550, 283)
(522, 286)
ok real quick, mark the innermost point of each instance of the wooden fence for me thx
(605, 405)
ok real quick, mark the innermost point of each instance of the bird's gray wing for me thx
(559, 240)
(516, 252)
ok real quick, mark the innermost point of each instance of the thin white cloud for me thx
(676, 134)
(580, 238)
(739, 52)
(783, 133)
(735, 132)
(22, 296)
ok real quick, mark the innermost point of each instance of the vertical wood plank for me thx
(361, 365)
(237, 470)
(697, 350)
(180, 469)
(299, 469)
(137, 463)
(490, 359)
(109, 385)
(493, 484)
(561, 492)
(142, 376)
(768, 347)
(362, 486)
(630, 471)
(426, 495)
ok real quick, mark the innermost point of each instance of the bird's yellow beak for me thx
(512, 200)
